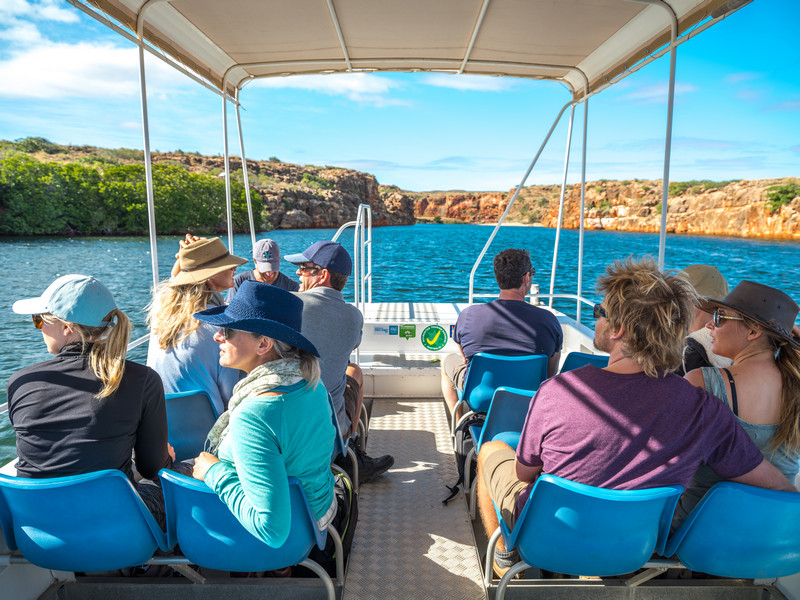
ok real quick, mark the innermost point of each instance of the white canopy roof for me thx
(541, 39)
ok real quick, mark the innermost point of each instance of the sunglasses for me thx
(227, 332)
(38, 321)
(598, 311)
(312, 269)
(718, 319)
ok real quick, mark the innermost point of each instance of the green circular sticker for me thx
(434, 337)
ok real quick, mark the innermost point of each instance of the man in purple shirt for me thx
(508, 326)
(632, 425)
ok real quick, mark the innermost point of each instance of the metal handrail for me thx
(362, 255)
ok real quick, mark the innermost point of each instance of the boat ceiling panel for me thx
(543, 39)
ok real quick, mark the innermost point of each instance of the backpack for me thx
(344, 522)
(463, 444)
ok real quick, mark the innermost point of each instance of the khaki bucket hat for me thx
(203, 259)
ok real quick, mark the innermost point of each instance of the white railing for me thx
(362, 255)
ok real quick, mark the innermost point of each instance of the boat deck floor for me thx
(408, 544)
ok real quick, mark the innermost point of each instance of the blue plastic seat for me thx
(504, 423)
(190, 416)
(575, 360)
(487, 372)
(341, 447)
(209, 535)
(577, 529)
(741, 531)
(91, 522)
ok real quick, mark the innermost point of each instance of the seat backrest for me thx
(209, 535)
(741, 531)
(487, 372)
(190, 416)
(339, 443)
(506, 416)
(579, 359)
(577, 529)
(91, 522)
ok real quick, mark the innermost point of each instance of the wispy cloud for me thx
(359, 87)
(43, 10)
(787, 106)
(472, 83)
(656, 93)
(735, 78)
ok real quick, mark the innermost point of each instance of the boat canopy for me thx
(583, 43)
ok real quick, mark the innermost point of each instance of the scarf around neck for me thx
(262, 379)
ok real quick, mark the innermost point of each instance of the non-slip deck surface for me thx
(408, 544)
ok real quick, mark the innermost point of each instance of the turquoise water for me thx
(422, 263)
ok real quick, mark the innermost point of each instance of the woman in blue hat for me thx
(278, 423)
(87, 409)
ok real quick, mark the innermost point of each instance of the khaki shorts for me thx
(500, 477)
(454, 367)
(351, 390)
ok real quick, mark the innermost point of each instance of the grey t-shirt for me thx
(334, 327)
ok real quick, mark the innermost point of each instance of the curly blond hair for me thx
(655, 309)
(170, 313)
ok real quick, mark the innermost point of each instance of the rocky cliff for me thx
(760, 208)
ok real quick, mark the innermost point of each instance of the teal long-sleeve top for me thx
(270, 439)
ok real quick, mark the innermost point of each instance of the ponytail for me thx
(788, 361)
(109, 348)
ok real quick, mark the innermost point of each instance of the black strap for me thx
(734, 401)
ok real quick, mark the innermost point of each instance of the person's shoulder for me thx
(20, 376)
(287, 283)
(240, 278)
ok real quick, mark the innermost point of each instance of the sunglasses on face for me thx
(306, 269)
(719, 319)
(598, 311)
(38, 321)
(227, 332)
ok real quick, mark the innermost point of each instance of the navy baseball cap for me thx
(328, 255)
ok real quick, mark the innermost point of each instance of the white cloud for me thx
(44, 10)
(83, 70)
(359, 87)
(657, 93)
(472, 83)
(735, 78)
(23, 33)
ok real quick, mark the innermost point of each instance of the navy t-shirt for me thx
(508, 328)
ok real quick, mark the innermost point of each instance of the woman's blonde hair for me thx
(309, 364)
(109, 348)
(656, 310)
(788, 362)
(170, 312)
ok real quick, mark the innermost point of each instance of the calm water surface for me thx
(423, 263)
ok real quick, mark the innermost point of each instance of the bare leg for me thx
(485, 507)
(354, 371)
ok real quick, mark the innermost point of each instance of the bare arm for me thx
(767, 476)
(527, 474)
(552, 364)
(695, 377)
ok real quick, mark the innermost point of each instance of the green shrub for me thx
(779, 195)
(30, 145)
(315, 181)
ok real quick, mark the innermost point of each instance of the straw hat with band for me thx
(770, 308)
(202, 260)
(265, 310)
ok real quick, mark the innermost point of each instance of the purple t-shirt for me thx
(630, 431)
(509, 328)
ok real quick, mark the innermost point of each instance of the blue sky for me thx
(73, 81)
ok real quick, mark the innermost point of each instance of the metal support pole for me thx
(148, 165)
(662, 238)
(228, 203)
(561, 204)
(511, 202)
(244, 171)
(579, 291)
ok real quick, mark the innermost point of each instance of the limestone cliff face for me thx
(738, 208)
(304, 197)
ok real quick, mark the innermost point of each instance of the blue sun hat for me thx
(262, 309)
(80, 299)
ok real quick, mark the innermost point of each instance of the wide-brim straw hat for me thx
(263, 309)
(203, 259)
(770, 308)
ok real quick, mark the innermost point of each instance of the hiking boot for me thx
(369, 468)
